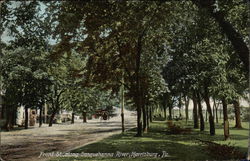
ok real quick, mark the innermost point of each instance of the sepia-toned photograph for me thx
(124, 80)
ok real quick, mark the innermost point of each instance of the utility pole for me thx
(122, 102)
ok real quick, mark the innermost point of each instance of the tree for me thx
(217, 11)
(186, 100)
(202, 125)
(237, 114)
(59, 74)
(108, 38)
(25, 74)
(195, 111)
(22, 22)
(133, 41)
(226, 88)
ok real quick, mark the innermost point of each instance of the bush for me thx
(158, 118)
(175, 129)
(222, 152)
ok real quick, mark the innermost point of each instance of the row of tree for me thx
(31, 79)
(160, 51)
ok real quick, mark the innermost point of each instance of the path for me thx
(26, 145)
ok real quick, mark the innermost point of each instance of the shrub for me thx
(222, 152)
(175, 129)
(158, 118)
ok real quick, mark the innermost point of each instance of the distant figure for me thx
(105, 116)
(176, 118)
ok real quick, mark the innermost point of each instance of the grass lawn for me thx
(178, 147)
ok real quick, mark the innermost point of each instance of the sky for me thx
(5, 37)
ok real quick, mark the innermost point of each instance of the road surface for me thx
(26, 145)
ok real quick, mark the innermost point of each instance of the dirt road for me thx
(26, 145)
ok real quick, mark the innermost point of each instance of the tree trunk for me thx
(202, 125)
(147, 115)
(232, 34)
(144, 115)
(214, 110)
(84, 117)
(45, 111)
(235, 38)
(209, 109)
(52, 117)
(206, 115)
(138, 93)
(122, 117)
(40, 116)
(26, 121)
(186, 108)
(225, 119)
(170, 113)
(8, 124)
(180, 106)
(139, 112)
(122, 103)
(220, 113)
(216, 115)
(165, 112)
(14, 116)
(150, 114)
(237, 114)
(139, 122)
(73, 118)
(195, 113)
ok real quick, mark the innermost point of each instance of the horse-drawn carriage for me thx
(104, 114)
